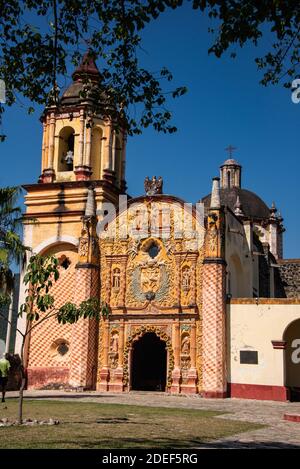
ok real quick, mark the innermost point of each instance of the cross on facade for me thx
(230, 150)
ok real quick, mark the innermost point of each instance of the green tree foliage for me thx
(11, 247)
(41, 274)
(39, 39)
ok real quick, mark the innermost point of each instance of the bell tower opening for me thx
(149, 364)
(66, 149)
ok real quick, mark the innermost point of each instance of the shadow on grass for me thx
(60, 396)
(169, 443)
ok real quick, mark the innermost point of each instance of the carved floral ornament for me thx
(136, 335)
(83, 247)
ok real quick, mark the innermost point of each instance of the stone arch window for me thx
(186, 278)
(96, 151)
(228, 179)
(116, 280)
(66, 149)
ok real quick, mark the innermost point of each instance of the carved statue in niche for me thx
(116, 280)
(213, 235)
(185, 345)
(114, 342)
(186, 279)
(113, 350)
(185, 359)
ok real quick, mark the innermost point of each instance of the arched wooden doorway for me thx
(149, 363)
(292, 359)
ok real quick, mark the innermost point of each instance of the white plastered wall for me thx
(253, 327)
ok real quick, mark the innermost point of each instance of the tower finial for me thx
(90, 208)
(238, 209)
(273, 211)
(215, 201)
(87, 68)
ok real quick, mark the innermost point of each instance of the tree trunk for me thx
(23, 382)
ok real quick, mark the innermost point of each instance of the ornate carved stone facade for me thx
(151, 278)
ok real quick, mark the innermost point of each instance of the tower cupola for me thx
(80, 142)
(230, 174)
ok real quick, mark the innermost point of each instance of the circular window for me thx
(63, 348)
(59, 349)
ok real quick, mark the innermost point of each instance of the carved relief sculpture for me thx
(186, 279)
(185, 352)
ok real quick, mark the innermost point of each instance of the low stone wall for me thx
(289, 273)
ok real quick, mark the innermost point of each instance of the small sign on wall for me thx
(248, 357)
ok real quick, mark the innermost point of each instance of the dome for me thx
(252, 205)
(231, 161)
(72, 95)
(87, 71)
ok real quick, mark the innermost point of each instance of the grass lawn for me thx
(93, 425)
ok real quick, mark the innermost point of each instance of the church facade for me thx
(196, 299)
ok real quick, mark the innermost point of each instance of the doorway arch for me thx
(149, 363)
(291, 337)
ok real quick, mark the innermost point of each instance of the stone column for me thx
(178, 277)
(84, 332)
(83, 170)
(214, 301)
(108, 172)
(88, 146)
(118, 374)
(176, 374)
(46, 143)
(44, 147)
(104, 372)
(81, 138)
(49, 173)
(192, 374)
(51, 140)
(214, 341)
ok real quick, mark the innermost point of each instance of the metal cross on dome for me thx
(230, 150)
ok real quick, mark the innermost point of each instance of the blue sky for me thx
(225, 105)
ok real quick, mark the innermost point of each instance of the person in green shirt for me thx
(4, 371)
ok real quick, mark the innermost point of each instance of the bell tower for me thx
(79, 143)
(81, 151)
